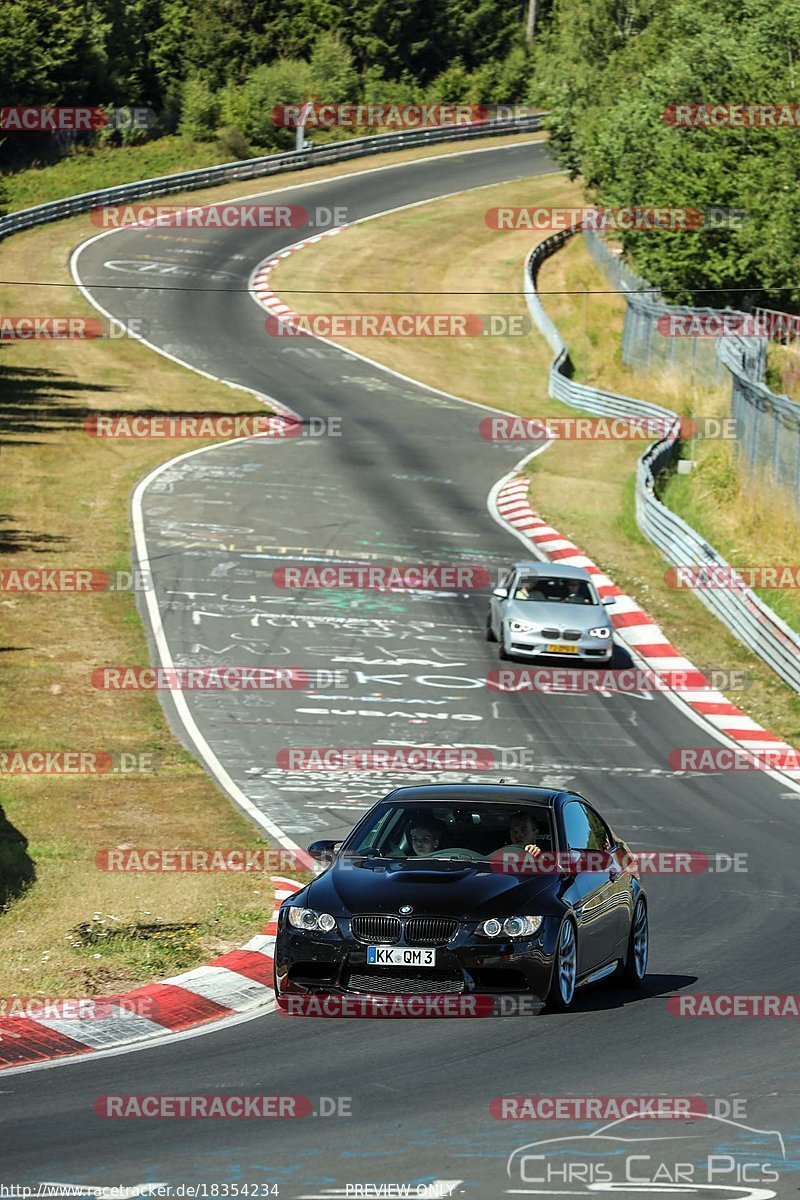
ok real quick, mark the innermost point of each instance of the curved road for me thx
(408, 481)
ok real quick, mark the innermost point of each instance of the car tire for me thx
(490, 634)
(631, 973)
(561, 994)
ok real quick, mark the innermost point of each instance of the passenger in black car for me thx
(426, 836)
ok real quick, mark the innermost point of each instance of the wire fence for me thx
(644, 345)
(767, 424)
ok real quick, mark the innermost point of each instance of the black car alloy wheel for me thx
(565, 970)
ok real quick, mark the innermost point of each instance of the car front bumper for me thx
(586, 650)
(306, 964)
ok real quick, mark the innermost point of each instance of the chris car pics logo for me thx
(714, 1157)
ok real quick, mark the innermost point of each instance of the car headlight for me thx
(511, 927)
(311, 921)
(521, 627)
(601, 632)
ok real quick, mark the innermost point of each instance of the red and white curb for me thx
(235, 982)
(260, 284)
(636, 628)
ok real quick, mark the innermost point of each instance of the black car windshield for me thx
(450, 829)
(553, 591)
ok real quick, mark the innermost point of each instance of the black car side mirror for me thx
(323, 852)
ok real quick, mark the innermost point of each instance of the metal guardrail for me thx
(257, 168)
(744, 613)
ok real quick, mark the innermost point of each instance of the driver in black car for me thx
(524, 832)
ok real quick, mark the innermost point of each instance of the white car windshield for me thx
(533, 588)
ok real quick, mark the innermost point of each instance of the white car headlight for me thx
(511, 927)
(601, 632)
(521, 627)
(311, 921)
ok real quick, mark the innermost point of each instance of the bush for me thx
(512, 77)
(286, 81)
(199, 110)
(233, 145)
(453, 86)
(233, 107)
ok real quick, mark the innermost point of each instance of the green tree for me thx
(608, 73)
(200, 110)
(265, 91)
(331, 70)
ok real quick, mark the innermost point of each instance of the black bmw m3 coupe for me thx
(463, 890)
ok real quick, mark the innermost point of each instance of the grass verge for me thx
(64, 503)
(746, 517)
(585, 488)
(104, 167)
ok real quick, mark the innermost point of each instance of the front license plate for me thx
(390, 956)
(553, 648)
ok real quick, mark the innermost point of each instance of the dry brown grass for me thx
(408, 253)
